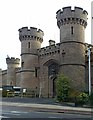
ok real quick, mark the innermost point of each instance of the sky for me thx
(15, 14)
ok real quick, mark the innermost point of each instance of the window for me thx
(35, 72)
(22, 64)
(53, 69)
(72, 30)
(28, 44)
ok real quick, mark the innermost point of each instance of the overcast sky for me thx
(15, 14)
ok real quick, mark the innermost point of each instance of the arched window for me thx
(53, 69)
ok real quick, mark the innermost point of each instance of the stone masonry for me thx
(40, 66)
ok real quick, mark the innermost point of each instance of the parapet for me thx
(32, 33)
(67, 15)
(12, 60)
(49, 50)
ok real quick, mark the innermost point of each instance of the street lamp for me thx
(89, 63)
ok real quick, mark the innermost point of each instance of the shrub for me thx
(82, 98)
(62, 88)
(91, 99)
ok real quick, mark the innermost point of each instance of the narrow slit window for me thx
(72, 30)
(22, 64)
(35, 72)
(28, 44)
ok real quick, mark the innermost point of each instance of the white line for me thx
(52, 117)
(11, 113)
(4, 117)
(18, 112)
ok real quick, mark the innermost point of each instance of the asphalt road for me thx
(27, 112)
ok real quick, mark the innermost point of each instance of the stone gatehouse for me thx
(40, 66)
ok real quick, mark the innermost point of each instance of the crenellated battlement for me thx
(12, 60)
(49, 50)
(69, 16)
(30, 34)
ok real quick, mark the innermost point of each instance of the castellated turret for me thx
(40, 67)
(0, 77)
(31, 40)
(12, 64)
(72, 24)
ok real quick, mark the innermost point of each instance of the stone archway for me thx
(52, 73)
(53, 69)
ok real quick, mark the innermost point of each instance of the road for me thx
(28, 112)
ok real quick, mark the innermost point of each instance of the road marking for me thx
(53, 117)
(3, 116)
(18, 112)
(10, 113)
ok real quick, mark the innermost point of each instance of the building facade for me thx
(41, 66)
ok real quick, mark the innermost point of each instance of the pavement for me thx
(42, 105)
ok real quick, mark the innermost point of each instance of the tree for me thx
(62, 88)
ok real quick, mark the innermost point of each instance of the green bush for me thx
(82, 98)
(91, 99)
(62, 88)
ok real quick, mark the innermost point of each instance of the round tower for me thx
(12, 64)
(1, 77)
(31, 40)
(72, 24)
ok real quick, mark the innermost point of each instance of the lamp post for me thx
(89, 63)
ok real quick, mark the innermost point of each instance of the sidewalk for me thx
(51, 108)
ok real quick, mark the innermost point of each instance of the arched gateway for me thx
(53, 69)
